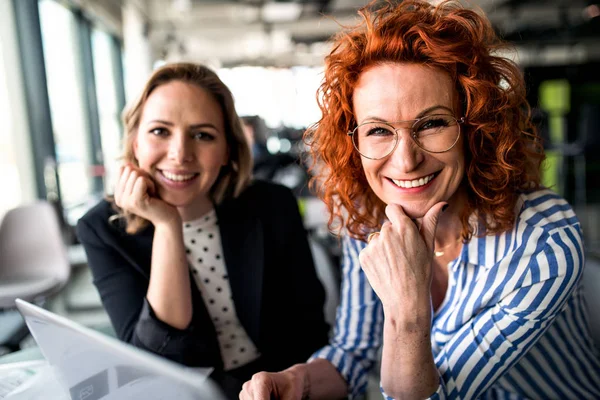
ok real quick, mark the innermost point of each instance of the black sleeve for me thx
(123, 291)
(301, 317)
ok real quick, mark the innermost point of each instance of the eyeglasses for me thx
(436, 133)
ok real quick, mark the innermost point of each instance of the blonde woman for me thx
(194, 261)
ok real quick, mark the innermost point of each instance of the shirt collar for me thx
(487, 251)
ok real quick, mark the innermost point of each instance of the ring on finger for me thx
(371, 236)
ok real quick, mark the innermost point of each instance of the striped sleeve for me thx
(353, 349)
(497, 337)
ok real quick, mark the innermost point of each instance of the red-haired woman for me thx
(456, 261)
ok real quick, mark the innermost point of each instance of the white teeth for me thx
(414, 182)
(177, 178)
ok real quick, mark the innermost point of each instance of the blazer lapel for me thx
(242, 240)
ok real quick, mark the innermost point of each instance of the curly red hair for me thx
(503, 150)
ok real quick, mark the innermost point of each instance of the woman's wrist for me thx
(300, 371)
(172, 222)
(406, 320)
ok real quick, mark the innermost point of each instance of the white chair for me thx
(33, 257)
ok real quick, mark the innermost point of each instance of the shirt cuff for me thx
(440, 393)
(156, 335)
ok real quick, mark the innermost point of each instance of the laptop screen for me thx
(92, 365)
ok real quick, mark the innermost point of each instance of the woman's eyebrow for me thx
(423, 113)
(203, 125)
(193, 126)
(160, 121)
(433, 108)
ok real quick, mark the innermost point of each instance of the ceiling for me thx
(247, 32)
(294, 32)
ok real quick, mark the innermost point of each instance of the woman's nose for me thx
(407, 155)
(180, 150)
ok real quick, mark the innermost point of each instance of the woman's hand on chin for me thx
(397, 263)
(136, 193)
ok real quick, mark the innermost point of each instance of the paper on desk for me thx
(203, 372)
(46, 384)
(43, 385)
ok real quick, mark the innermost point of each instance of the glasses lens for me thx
(436, 133)
(374, 140)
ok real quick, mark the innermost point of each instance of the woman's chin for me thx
(188, 206)
(413, 211)
(176, 202)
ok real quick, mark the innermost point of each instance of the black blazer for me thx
(277, 295)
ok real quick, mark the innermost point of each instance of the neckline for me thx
(208, 219)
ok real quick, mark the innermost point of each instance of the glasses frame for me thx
(413, 135)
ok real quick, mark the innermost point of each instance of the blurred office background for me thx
(68, 67)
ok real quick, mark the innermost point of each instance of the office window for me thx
(9, 171)
(281, 96)
(108, 108)
(59, 39)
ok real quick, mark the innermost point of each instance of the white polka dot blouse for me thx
(205, 257)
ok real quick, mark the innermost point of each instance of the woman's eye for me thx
(433, 124)
(378, 131)
(158, 131)
(203, 136)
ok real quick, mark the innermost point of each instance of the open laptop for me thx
(91, 365)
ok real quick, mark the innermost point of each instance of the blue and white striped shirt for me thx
(513, 324)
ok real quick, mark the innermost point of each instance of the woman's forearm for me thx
(408, 370)
(169, 291)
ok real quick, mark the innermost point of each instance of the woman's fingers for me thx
(259, 387)
(246, 393)
(372, 236)
(120, 185)
(395, 214)
(133, 188)
(263, 386)
(136, 193)
(139, 192)
(149, 181)
(133, 175)
(261, 393)
(283, 385)
(127, 200)
(429, 224)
